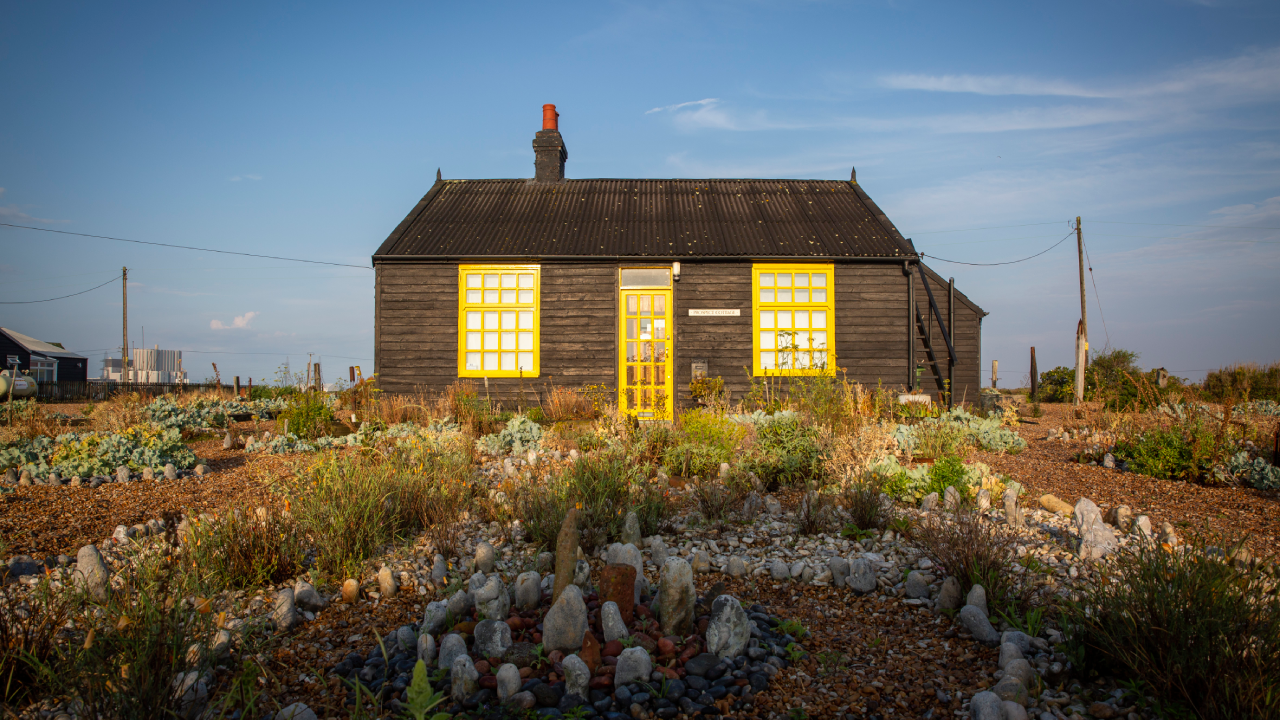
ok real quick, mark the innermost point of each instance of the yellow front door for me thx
(645, 387)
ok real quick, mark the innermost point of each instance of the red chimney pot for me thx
(550, 118)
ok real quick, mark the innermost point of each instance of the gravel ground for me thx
(1047, 467)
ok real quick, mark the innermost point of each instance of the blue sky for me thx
(310, 130)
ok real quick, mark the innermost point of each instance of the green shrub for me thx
(705, 427)
(950, 431)
(89, 454)
(1257, 382)
(948, 471)
(519, 434)
(694, 460)
(1198, 630)
(244, 549)
(1057, 385)
(786, 452)
(308, 415)
(29, 629)
(861, 501)
(1160, 453)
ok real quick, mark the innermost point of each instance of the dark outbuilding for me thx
(638, 285)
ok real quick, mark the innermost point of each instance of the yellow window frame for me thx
(795, 353)
(502, 307)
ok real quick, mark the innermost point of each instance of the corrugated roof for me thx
(39, 347)
(646, 218)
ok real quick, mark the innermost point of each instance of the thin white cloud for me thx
(987, 85)
(677, 106)
(238, 178)
(240, 322)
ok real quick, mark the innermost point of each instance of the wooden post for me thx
(124, 342)
(951, 328)
(319, 384)
(352, 371)
(1082, 332)
(250, 393)
(237, 385)
(1035, 376)
(995, 365)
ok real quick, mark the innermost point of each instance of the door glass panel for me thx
(819, 318)
(766, 295)
(631, 375)
(644, 304)
(526, 361)
(659, 352)
(646, 277)
(644, 374)
(660, 328)
(660, 375)
(631, 304)
(766, 319)
(646, 329)
(631, 352)
(659, 305)
(631, 329)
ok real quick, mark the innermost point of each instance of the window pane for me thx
(508, 341)
(508, 296)
(766, 279)
(818, 280)
(473, 320)
(473, 360)
(631, 329)
(802, 361)
(802, 295)
(631, 374)
(645, 350)
(802, 319)
(491, 296)
(509, 320)
(820, 339)
(819, 295)
(491, 361)
(508, 281)
(766, 340)
(767, 361)
(766, 319)
(819, 318)
(659, 305)
(784, 280)
(644, 374)
(660, 328)
(492, 281)
(508, 361)
(526, 361)
(646, 277)
(491, 341)
(659, 374)
(491, 321)
(784, 296)
(526, 280)
(526, 319)
(474, 341)
(631, 399)
(475, 296)
(659, 352)
(631, 304)
(644, 304)
(784, 319)
(802, 280)
(631, 352)
(646, 329)
(526, 341)
(766, 295)
(526, 297)
(473, 280)
(802, 339)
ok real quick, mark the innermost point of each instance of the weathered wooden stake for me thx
(566, 553)
(1035, 376)
(237, 384)
(995, 365)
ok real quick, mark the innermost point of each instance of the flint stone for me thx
(576, 676)
(296, 711)
(528, 590)
(986, 705)
(778, 570)
(930, 502)
(729, 629)
(978, 598)
(1054, 505)
(10, 477)
(524, 699)
(582, 574)
(492, 600)
(634, 665)
(170, 472)
(434, 618)
(701, 562)
(492, 638)
(976, 622)
(566, 622)
(464, 675)
(461, 604)
(752, 505)
(228, 441)
(509, 682)
(862, 576)
(1014, 711)
(1008, 653)
(737, 567)
(984, 499)
(1011, 688)
(839, 568)
(1142, 526)
(427, 649)
(772, 506)
(1097, 539)
(1018, 639)
(1167, 535)
(148, 474)
(23, 565)
(439, 568)
(951, 498)
(285, 613)
(485, 557)
(619, 554)
(611, 620)
(406, 638)
(546, 561)
(452, 647)
(1012, 513)
(1108, 461)
(1020, 669)
(350, 590)
(949, 595)
(387, 584)
(307, 598)
(630, 530)
(677, 597)
(916, 586)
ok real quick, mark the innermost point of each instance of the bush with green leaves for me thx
(28, 454)
(1057, 385)
(958, 428)
(786, 452)
(1255, 472)
(1200, 630)
(100, 453)
(1256, 382)
(706, 439)
(519, 435)
(203, 412)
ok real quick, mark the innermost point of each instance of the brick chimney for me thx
(548, 148)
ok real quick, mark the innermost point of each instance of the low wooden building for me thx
(44, 362)
(639, 285)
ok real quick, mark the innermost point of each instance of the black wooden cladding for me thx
(417, 328)
(645, 218)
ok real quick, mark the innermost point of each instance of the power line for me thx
(28, 302)
(1188, 239)
(1011, 262)
(184, 247)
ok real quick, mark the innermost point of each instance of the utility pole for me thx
(124, 344)
(1082, 331)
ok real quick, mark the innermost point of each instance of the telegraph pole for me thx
(124, 345)
(1082, 331)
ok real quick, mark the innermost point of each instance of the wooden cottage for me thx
(642, 285)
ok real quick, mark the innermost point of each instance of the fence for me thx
(98, 390)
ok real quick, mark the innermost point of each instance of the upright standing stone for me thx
(170, 472)
(464, 675)
(630, 555)
(984, 499)
(285, 613)
(148, 474)
(92, 574)
(509, 682)
(949, 596)
(439, 568)
(387, 584)
(566, 553)
(839, 568)
(611, 620)
(737, 567)
(10, 477)
(631, 530)
(1097, 539)
(582, 574)
(977, 597)
(930, 502)
(1012, 513)
(951, 498)
(566, 622)
(528, 590)
(576, 676)
(452, 646)
(485, 557)
(617, 585)
(729, 629)
(492, 599)
(677, 597)
(427, 648)
(862, 576)
(493, 638)
(634, 665)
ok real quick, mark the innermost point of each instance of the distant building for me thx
(148, 366)
(43, 361)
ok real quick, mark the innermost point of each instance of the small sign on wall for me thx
(714, 313)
